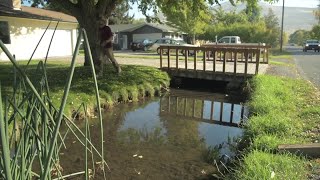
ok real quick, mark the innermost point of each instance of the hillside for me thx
(294, 17)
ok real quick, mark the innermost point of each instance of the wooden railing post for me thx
(231, 114)
(186, 59)
(242, 54)
(214, 60)
(160, 50)
(246, 55)
(221, 111)
(168, 58)
(224, 61)
(212, 111)
(235, 63)
(177, 59)
(202, 108)
(204, 60)
(267, 52)
(195, 60)
(185, 106)
(257, 61)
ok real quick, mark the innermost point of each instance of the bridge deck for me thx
(209, 72)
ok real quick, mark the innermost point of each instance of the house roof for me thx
(37, 13)
(132, 27)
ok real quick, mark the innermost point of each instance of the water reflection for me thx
(175, 137)
(208, 111)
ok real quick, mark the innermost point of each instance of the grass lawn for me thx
(283, 111)
(275, 53)
(133, 83)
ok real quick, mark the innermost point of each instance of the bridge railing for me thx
(264, 51)
(204, 110)
(209, 57)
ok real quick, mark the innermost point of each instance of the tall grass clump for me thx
(264, 165)
(31, 150)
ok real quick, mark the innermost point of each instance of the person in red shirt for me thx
(106, 37)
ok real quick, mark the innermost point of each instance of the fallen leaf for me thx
(272, 174)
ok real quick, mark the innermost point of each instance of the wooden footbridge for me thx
(214, 61)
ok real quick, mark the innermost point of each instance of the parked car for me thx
(230, 40)
(162, 41)
(311, 44)
(141, 45)
(190, 52)
(167, 42)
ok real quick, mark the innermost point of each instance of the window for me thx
(224, 40)
(167, 41)
(4, 32)
(233, 40)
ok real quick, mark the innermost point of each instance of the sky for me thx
(298, 3)
(287, 3)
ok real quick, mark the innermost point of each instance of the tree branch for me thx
(68, 6)
(105, 7)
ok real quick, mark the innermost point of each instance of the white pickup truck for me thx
(230, 40)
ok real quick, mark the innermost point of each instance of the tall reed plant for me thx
(30, 125)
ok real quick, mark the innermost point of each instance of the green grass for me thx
(264, 165)
(281, 63)
(137, 56)
(276, 54)
(282, 111)
(133, 83)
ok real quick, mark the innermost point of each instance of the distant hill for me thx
(294, 17)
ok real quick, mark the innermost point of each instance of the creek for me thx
(179, 135)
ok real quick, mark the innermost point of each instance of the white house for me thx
(22, 27)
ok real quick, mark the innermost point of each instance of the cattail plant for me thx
(30, 125)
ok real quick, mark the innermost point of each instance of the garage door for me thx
(151, 36)
(61, 44)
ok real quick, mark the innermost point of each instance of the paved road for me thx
(308, 64)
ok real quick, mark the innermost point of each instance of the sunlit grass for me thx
(263, 165)
(276, 54)
(281, 63)
(133, 83)
(282, 111)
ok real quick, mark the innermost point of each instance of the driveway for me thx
(308, 64)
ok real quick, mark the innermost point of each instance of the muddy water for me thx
(163, 138)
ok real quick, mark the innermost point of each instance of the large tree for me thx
(121, 14)
(317, 13)
(272, 28)
(299, 37)
(90, 12)
(188, 20)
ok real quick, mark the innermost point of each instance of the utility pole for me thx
(281, 36)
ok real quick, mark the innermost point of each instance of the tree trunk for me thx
(91, 25)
